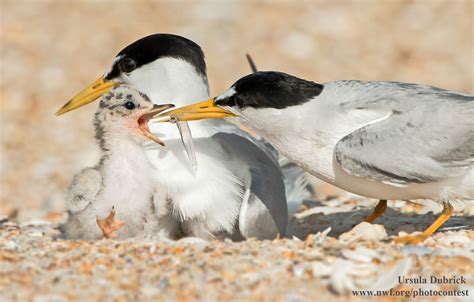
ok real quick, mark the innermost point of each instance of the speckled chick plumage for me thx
(122, 178)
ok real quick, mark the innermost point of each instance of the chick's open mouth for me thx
(145, 118)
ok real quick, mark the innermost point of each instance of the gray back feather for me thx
(429, 134)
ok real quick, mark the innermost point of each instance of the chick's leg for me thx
(109, 225)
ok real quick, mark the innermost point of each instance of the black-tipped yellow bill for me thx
(88, 95)
(198, 111)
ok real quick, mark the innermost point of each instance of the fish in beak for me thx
(198, 111)
(145, 118)
(88, 95)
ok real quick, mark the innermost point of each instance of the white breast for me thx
(213, 193)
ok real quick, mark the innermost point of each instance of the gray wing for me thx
(267, 190)
(83, 190)
(255, 221)
(428, 137)
(223, 126)
(295, 180)
(297, 186)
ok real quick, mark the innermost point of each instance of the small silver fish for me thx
(187, 140)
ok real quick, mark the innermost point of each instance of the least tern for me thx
(237, 190)
(121, 183)
(385, 140)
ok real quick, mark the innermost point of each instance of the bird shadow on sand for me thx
(393, 221)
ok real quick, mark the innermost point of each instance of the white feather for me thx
(210, 199)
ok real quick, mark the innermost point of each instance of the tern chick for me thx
(385, 140)
(116, 197)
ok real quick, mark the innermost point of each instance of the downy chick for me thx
(120, 187)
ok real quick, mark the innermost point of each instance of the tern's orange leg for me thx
(445, 215)
(108, 225)
(379, 210)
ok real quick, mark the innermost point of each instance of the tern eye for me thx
(128, 65)
(129, 105)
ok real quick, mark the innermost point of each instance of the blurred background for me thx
(50, 50)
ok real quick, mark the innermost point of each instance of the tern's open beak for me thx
(88, 95)
(198, 111)
(143, 121)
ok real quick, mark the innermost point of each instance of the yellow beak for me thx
(198, 111)
(88, 95)
(143, 121)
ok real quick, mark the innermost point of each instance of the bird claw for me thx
(414, 239)
(109, 225)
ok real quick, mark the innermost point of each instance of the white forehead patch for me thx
(230, 92)
(117, 58)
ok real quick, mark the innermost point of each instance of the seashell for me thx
(342, 275)
(340, 282)
(10, 245)
(321, 269)
(364, 231)
(454, 238)
(299, 269)
(389, 279)
(35, 223)
(417, 250)
(48, 298)
(34, 234)
(361, 254)
(193, 241)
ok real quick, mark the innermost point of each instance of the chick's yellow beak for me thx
(198, 111)
(88, 95)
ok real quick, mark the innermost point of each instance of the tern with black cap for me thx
(385, 140)
(237, 190)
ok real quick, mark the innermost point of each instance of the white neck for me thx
(287, 130)
(127, 177)
(118, 146)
